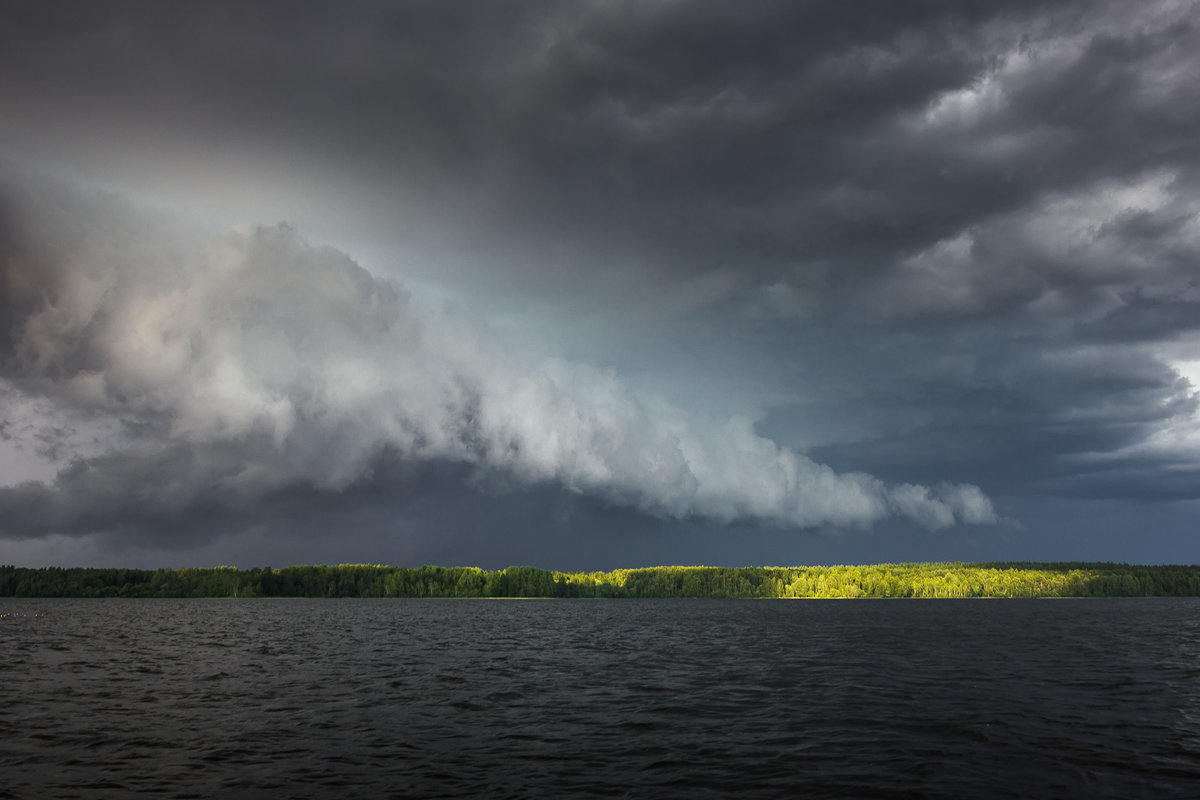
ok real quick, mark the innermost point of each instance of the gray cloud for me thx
(668, 134)
(267, 363)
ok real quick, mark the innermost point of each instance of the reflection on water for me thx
(654, 698)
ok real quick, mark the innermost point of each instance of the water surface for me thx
(595, 698)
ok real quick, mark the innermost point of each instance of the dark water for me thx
(655, 698)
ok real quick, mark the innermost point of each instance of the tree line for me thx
(1009, 579)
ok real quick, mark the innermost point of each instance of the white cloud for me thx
(277, 363)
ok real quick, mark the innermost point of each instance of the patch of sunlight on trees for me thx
(1016, 579)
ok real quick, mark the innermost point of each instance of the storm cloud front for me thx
(261, 362)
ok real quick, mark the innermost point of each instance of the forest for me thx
(1016, 579)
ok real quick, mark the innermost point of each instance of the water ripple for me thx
(662, 698)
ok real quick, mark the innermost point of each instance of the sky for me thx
(594, 285)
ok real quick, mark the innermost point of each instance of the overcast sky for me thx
(593, 285)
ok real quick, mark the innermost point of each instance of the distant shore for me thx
(932, 580)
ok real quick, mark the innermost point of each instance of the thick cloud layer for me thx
(927, 241)
(267, 363)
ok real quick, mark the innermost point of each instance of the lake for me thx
(600, 698)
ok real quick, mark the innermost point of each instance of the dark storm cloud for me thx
(811, 148)
(688, 136)
(1005, 414)
(1146, 319)
(933, 241)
